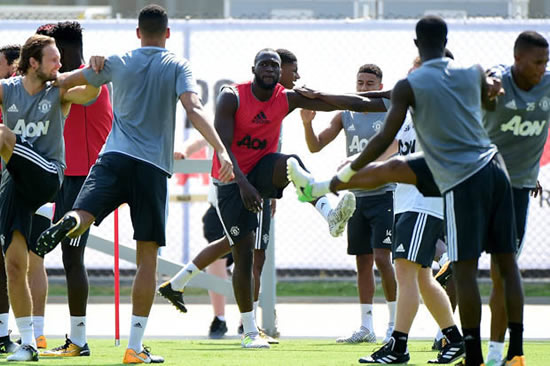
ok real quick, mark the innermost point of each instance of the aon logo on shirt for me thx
(523, 128)
(31, 129)
(357, 145)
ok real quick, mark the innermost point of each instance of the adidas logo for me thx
(400, 249)
(138, 325)
(260, 118)
(511, 104)
(387, 240)
(81, 324)
(13, 108)
(351, 128)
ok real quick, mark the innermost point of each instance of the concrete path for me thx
(296, 320)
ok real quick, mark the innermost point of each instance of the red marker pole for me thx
(117, 285)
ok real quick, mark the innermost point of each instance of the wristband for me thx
(345, 174)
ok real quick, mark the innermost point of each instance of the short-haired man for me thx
(370, 228)
(249, 117)
(31, 147)
(8, 55)
(137, 157)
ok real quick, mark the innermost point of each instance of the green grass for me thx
(289, 352)
(299, 288)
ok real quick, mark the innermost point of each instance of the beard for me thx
(44, 77)
(265, 85)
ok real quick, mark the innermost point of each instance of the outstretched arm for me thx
(402, 98)
(302, 98)
(197, 116)
(376, 94)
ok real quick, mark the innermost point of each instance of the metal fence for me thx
(329, 54)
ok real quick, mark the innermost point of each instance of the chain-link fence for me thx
(329, 54)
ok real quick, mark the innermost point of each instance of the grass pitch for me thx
(290, 352)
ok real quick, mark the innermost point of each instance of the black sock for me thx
(472, 344)
(452, 333)
(400, 341)
(515, 348)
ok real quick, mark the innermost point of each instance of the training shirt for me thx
(37, 119)
(519, 126)
(86, 129)
(359, 128)
(447, 120)
(407, 197)
(257, 126)
(147, 83)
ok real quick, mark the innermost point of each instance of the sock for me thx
(255, 308)
(78, 330)
(366, 316)
(24, 324)
(400, 341)
(439, 335)
(180, 280)
(472, 344)
(4, 331)
(137, 328)
(443, 259)
(496, 351)
(321, 188)
(515, 348)
(38, 325)
(392, 307)
(220, 318)
(249, 323)
(453, 334)
(323, 206)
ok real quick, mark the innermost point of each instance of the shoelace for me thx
(65, 346)
(146, 350)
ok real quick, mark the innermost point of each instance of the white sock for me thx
(439, 335)
(323, 206)
(4, 331)
(180, 280)
(220, 318)
(78, 330)
(366, 316)
(38, 325)
(443, 259)
(137, 328)
(496, 351)
(392, 307)
(24, 324)
(255, 308)
(249, 323)
(321, 188)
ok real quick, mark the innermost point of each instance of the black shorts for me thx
(213, 229)
(479, 214)
(116, 179)
(424, 179)
(237, 220)
(415, 235)
(28, 182)
(521, 211)
(370, 226)
(64, 202)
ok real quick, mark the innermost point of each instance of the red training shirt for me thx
(257, 127)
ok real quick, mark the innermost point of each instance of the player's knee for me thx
(382, 258)
(15, 269)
